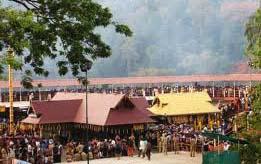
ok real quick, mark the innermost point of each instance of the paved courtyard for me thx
(171, 158)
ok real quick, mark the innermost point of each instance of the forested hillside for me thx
(174, 37)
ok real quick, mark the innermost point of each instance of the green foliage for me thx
(3, 77)
(1, 65)
(15, 62)
(63, 29)
(255, 119)
(249, 154)
(252, 152)
(253, 34)
(27, 80)
(82, 80)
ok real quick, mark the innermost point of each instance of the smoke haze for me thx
(173, 37)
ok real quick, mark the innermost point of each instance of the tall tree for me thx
(253, 34)
(60, 28)
(252, 152)
(253, 50)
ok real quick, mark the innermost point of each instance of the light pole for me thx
(84, 68)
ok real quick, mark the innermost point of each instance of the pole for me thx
(218, 144)
(237, 141)
(10, 78)
(224, 90)
(250, 72)
(213, 89)
(234, 90)
(39, 96)
(20, 94)
(86, 103)
(247, 123)
(0, 95)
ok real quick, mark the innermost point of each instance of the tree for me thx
(253, 50)
(251, 153)
(6, 60)
(64, 29)
(256, 106)
(39, 86)
(253, 35)
(27, 80)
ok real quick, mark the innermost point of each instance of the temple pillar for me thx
(210, 122)
(41, 131)
(199, 123)
(218, 122)
(156, 92)
(195, 124)
(20, 94)
(143, 92)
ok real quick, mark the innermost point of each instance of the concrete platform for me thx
(156, 158)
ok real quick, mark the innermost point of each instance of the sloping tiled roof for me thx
(31, 120)
(124, 116)
(98, 105)
(59, 111)
(70, 107)
(183, 104)
(142, 104)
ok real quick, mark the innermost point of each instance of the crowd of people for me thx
(106, 148)
(183, 137)
(160, 138)
(46, 151)
(31, 149)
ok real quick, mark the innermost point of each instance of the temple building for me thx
(188, 107)
(108, 114)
